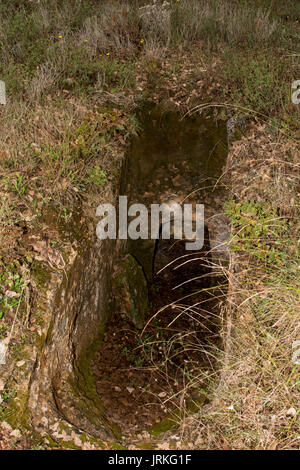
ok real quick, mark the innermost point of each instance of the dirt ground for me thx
(141, 375)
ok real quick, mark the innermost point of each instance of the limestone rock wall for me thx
(61, 388)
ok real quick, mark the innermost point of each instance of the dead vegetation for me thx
(255, 405)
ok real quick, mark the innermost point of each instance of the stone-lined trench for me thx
(102, 368)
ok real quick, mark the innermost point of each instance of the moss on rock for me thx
(130, 291)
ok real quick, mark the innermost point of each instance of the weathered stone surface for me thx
(130, 290)
(62, 387)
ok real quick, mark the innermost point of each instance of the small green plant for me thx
(97, 176)
(3, 328)
(8, 395)
(11, 287)
(17, 184)
(257, 81)
(126, 353)
(259, 230)
(65, 216)
(5, 397)
(139, 361)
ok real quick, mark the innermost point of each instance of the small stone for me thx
(199, 441)
(88, 446)
(117, 389)
(6, 426)
(162, 394)
(3, 349)
(291, 412)
(20, 363)
(16, 433)
(77, 441)
(163, 446)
